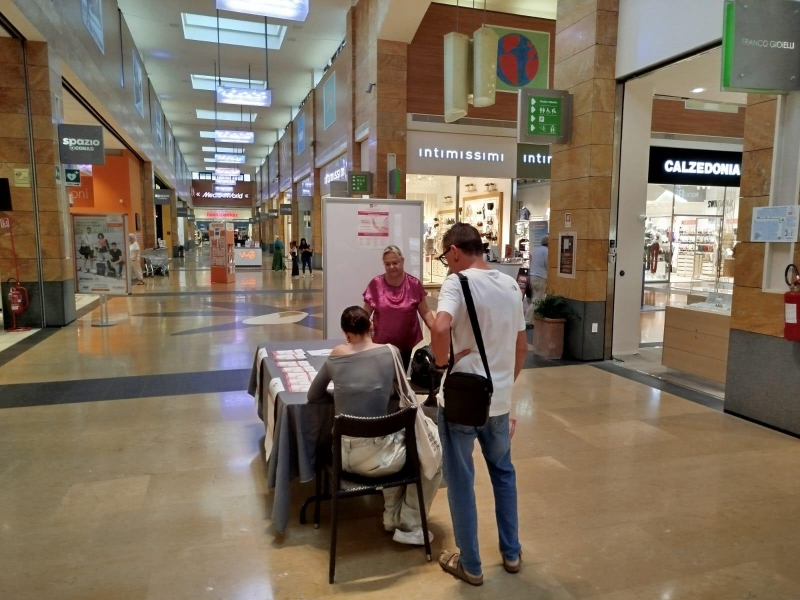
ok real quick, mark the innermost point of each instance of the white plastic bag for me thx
(429, 447)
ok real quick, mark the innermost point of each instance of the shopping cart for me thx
(156, 262)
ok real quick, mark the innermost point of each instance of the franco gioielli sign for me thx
(81, 144)
(761, 46)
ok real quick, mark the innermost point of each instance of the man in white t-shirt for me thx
(498, 305)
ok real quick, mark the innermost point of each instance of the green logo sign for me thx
(72, 177)
(544, 116)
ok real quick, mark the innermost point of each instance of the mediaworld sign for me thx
(761, 46)
(679, 166)
(81, 144)
(206, 190)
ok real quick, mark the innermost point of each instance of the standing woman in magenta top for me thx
(394, 300)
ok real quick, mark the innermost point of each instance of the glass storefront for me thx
(690, 234)
(451, 199)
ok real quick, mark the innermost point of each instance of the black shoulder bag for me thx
(467, 397)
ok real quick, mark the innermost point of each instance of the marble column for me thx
(585, 54)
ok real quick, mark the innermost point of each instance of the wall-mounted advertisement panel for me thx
(523, 59)
(101, 254)
(92, 16)
(138, 83)
(285, 150)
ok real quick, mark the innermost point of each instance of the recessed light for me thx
(698, 90)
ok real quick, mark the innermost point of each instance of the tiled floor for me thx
(153, 487)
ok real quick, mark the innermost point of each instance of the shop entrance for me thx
(677, 223)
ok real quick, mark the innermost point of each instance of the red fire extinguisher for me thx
(791, 300)
(18, 302)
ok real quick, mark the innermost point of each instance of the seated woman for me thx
(363, 375)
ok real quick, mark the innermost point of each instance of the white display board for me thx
(355, 233)
(102, 256)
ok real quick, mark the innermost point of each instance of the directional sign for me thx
(544, 116)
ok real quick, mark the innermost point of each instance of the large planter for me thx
(548, 337)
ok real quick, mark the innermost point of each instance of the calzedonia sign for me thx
(81, 144)
(680, 166)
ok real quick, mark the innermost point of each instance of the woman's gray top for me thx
(363, 383)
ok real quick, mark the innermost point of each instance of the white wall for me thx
(654, 31)
(536, 197)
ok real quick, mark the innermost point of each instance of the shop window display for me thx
(690, 233)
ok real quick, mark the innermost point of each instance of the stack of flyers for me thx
(280, 355)
(298, 374)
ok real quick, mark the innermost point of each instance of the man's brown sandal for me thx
(451, 563)
(512, 566)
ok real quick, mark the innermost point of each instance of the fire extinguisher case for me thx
(791, 300)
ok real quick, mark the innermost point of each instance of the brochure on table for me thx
(102, 260)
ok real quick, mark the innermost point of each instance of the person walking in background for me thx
(136, 259)
(395, 300)
(498, 307)
(537, 280)
(277, 256)
(293, 254)
(306, 252)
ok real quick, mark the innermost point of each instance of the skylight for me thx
(203, 28)
(222, 115)
(209, 82)
(293, 10)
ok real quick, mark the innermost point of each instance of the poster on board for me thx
(92, 16)
(101, 254)
(567, 255)
(329, 101)
(373, 228)
(301, 134)
(138, 83)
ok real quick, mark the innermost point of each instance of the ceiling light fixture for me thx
(228, 171)
(230, 158)
(244, 96)
(203, 113)
(233, 32)
(233, 136)
(698, 90)
(209, 82)
(291, 10)
(223, 149)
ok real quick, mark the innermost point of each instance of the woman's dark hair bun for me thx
(355, 320)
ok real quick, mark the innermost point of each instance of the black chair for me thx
(348, 485)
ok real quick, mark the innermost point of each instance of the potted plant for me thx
(549, 318)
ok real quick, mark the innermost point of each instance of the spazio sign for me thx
(81, 144)
(679, 166)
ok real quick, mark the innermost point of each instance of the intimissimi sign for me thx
(433, 153)
(681, 166)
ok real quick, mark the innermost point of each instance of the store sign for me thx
(286, 210)
(432, 153)
(761, 46)
(182, 211)
(162, 197)
(679, 166)
(222, 214)
(272, 213)
(81, 144)
(336, 170)
(533, 161)
(544, 116)
(205, 189)
(359, 183)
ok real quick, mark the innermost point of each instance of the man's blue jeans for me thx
(458, 442)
